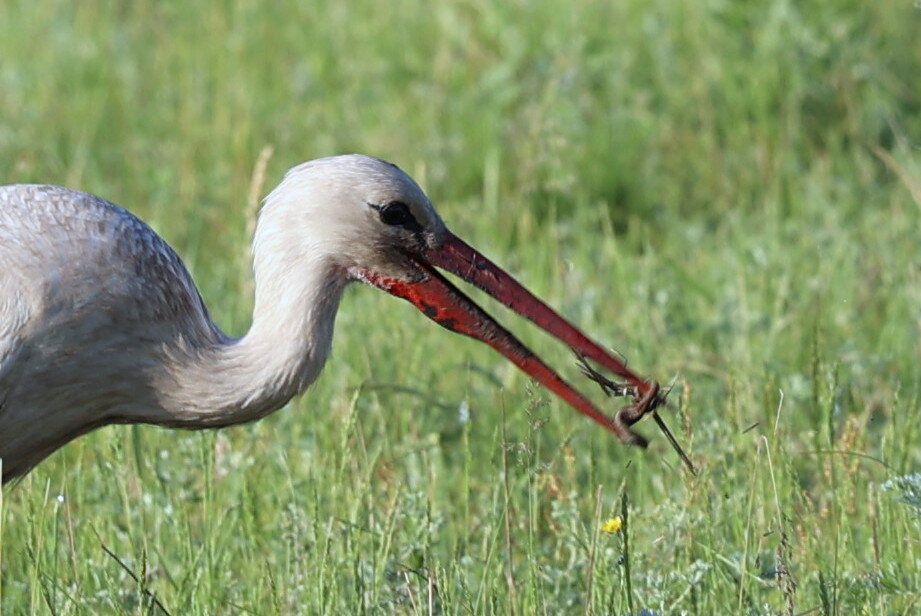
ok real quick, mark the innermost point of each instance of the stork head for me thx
(374, 224)
(359, 212)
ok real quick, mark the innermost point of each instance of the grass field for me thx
(729, 193)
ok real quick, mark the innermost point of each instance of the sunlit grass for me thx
(725, 192)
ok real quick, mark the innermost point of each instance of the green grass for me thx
(729, 192)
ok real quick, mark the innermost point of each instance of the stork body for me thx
(100, 322)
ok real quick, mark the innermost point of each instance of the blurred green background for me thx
(729, 193)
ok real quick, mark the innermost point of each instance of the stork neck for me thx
(243, 379)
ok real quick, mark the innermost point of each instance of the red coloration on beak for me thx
(458, 257)
(442, 302)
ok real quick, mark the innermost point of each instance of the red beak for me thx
(445, 304)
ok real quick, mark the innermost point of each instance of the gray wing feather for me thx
(67, 250)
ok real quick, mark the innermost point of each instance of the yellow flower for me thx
(613, 525)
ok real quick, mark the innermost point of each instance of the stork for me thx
(101, 323)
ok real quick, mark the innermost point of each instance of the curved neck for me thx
(239, 380)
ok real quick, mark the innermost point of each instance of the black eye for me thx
(397, 214)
